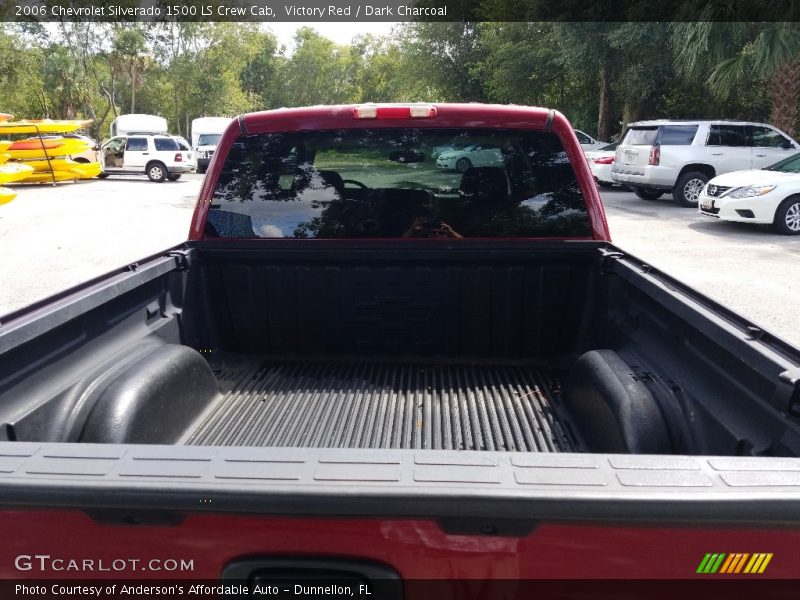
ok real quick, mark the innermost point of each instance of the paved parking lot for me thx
(54, 238)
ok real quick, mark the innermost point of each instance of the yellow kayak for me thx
(7, 195)
(56, 164)
(4, 144)
(67, 147)
(49, 176)
(3, 157)
(43, 126)
(87, 170)
(14, 172)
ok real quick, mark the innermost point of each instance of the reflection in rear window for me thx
(398, 183)
(641, 136)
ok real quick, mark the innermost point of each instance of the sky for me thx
(341, 33)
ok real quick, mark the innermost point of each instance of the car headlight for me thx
(749, 192)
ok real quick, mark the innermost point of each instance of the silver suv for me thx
(681, 156)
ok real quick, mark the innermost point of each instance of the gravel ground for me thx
(54, 238)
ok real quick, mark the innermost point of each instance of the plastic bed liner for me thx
(362, 404)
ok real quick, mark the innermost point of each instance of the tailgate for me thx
(471, 514)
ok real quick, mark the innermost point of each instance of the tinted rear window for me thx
(677, 135)
(641, 136)
(166, 144)
(386, 183)
(727, 135)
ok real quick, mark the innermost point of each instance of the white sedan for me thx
(600, 162)
(587, 142)
(475, 155)
(769, 196)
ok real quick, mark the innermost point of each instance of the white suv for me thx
(159, 156)
(681, 156)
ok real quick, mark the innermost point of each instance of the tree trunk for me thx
(604, 114)
(784, 92)
(133, 89)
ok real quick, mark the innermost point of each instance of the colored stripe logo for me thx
(734, 563)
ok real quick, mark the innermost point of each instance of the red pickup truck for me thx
(398, 346)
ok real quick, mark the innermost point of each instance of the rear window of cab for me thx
(398, 183)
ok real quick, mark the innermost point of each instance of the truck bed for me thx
(365, 404)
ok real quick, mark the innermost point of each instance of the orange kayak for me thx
(35, 144)
(6, 117)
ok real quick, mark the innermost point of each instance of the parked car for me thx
(682, 156)
(472, 155)
(768, 196)
(587, 142)
(184, 145)
(158, 156)
(600, 162)
(206, 133)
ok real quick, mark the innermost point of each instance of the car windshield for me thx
(787, 165)
(209, 139)
(378, 183)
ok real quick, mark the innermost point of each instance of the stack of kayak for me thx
(41, 159)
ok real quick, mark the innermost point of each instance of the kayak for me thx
(55, 164)
(43, 126)
(66, 147)
(36, 144)
(83, 170)
(50, 176)
(87, 170)
(14, 172)
(7, 195)
(6, 117)
(4, 144)
(3, 157)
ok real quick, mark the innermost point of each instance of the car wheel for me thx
(648, 194)
(605, 184)
(787, 217)
(201, 170)
(156, 172)
(688, 187)
(174, 177)
(462, 164)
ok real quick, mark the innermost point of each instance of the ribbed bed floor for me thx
(382, 405)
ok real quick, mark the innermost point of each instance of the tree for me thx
(447, 56)
(735, 55)
(129, 58)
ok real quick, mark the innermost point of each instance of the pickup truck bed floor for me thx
(383, 405)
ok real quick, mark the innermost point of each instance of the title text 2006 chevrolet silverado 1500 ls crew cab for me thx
(362, 362)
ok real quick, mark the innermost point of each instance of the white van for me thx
(138, 123)
(206, 133)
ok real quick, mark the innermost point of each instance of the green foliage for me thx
(186, 70)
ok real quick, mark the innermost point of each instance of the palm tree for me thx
(734, 54)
